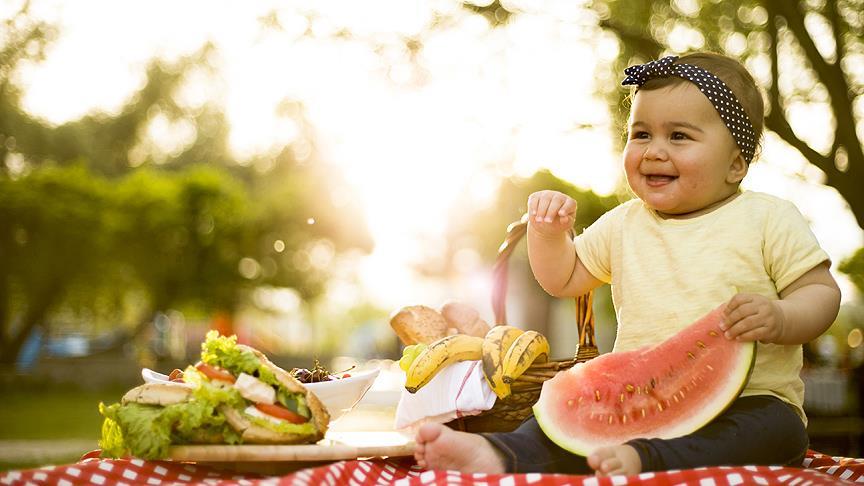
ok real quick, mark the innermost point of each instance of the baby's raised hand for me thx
(753, 317)
(551, 212)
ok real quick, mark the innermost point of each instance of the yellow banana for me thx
(447, 350)
(495, 346)
(529, 347)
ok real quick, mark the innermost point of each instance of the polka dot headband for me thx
(724, 101)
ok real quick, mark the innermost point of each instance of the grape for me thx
(409, 354)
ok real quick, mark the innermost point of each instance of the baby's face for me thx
(680, 158)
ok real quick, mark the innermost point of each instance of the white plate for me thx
(339, 396)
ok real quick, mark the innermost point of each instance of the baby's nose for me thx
(656, 150)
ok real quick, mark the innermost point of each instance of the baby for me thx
(689, 240)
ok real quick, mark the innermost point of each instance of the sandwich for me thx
(234, 395)
(152, 417)
(270, 406)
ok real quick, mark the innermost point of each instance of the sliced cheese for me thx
(254, 412)
(255, 390)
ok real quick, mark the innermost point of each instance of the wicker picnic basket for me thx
(508, 413)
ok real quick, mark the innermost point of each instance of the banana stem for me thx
(554, 365)
(532, 379)
(539, 373)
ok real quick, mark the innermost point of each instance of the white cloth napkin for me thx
(459, 390)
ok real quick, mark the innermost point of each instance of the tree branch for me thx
(837, 22)
(830, 75)
(644, 45)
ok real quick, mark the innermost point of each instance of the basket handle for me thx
(587, 347)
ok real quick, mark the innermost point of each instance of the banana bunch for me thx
(439, 354)
(507, 352)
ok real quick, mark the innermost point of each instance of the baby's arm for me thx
(551, 251)
(807, 307)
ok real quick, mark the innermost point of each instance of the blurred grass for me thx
(53, 418)
(53, 413)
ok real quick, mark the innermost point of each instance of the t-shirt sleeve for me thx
(791, 248)
(593, 246)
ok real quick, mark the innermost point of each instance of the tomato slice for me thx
(280, 412)
(215, 373)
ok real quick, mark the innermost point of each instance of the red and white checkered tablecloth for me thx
(818, 469)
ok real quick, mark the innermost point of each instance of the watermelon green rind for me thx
(665, 391)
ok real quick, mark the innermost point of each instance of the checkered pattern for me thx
(818, 469)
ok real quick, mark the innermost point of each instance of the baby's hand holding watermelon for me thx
(753, 317)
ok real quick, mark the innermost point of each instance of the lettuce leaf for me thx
(222, 351)
(283, 427)
(147, 431)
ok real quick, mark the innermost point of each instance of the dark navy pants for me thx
(757, 430)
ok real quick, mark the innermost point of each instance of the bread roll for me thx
(158, 394)
(464, 318)
(418, 324)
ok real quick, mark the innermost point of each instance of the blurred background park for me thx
(293, 172)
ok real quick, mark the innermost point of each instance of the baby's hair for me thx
(731, 72)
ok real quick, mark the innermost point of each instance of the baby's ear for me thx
(737, 169)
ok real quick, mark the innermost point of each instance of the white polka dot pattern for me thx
(724, 101)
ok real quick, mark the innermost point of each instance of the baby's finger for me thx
(554, 209)
(568, 208)
(742, 326)
(542, 208)
(532, 204)
(738, 309)
(756, 334)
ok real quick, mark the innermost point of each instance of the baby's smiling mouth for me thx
(659, 179)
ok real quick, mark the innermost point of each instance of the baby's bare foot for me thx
(610, 461)
(440, 447)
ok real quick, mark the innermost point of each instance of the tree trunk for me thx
(37, 309)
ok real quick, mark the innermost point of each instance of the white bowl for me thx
(340, 396)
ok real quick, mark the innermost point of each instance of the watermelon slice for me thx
(667, 390)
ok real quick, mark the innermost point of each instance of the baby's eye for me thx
(679, 136)
(639, 134)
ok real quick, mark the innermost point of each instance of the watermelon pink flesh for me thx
(665, 391)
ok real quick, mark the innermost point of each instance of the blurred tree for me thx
(484, 231)
(854, 267)
(97, 220)
(804, 53)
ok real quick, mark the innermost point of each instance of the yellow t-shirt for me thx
(666, 273)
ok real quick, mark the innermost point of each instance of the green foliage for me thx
(854, 267)
(98, 226)
(486, 230)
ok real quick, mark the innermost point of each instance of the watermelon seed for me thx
(659, 406)
(710, 368)
(643, 413)
(691, 355)
(622, 398)
(700, 344)
(712, 333)
(675, 397)
(629, 388)
(610, 419)
(597, 395)
(653, 383)
(570, 403)
(623, 418)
